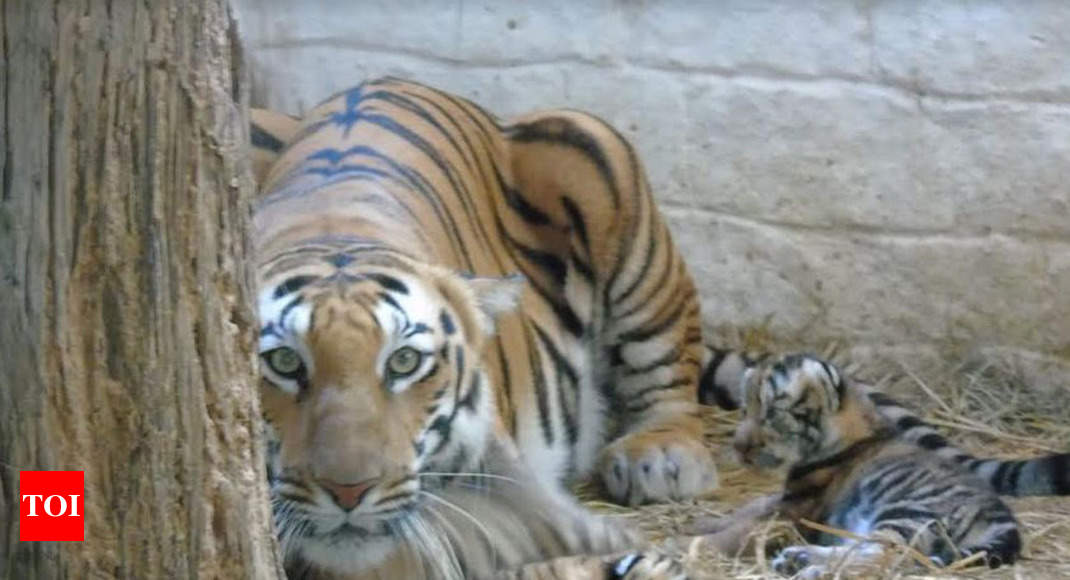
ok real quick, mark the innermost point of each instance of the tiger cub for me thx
(1045, 475)
(850, 470)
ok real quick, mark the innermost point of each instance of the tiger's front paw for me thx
(800, 562)
(646, 566)
(660, 466)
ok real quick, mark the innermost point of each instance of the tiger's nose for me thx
(743, 446)
(348, 495)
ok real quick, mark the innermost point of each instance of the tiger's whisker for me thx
(476, 475)
(483, 529)
(475, 521)
(436, 545)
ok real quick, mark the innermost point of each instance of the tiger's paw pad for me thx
(648, 467)
(800, 562)
(639, 566)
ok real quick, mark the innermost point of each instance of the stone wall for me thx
(890, 174)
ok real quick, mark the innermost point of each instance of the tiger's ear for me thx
(831, 383)
(496, 296)
(269, 132)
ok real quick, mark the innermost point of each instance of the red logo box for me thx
(51, 506)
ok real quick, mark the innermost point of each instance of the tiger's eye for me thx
(403, 362)
(285, 361)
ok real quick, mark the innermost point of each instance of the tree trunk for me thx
(125, 320)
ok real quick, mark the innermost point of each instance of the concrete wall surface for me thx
(892, 174)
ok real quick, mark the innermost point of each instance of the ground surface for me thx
(983, 406)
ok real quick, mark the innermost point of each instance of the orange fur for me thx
(588, 362)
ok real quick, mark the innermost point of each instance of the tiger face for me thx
(371, 377)
(793, 410)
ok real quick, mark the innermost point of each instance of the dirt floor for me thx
(983, 406)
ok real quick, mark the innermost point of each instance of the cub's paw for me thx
(646, 566)
(629, 566)
(800, 562)
(649, 466)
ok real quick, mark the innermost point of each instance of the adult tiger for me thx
(443, 293)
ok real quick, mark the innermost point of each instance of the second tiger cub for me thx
(850, 470)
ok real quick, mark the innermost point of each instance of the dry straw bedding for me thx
(983, 406)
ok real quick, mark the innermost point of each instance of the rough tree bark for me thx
(125, 326)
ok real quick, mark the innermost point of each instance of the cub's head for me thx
(371, 377)
(798, 408)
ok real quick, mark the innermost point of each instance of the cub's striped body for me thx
(851, 470)
(1046, 475)
(442, 292)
